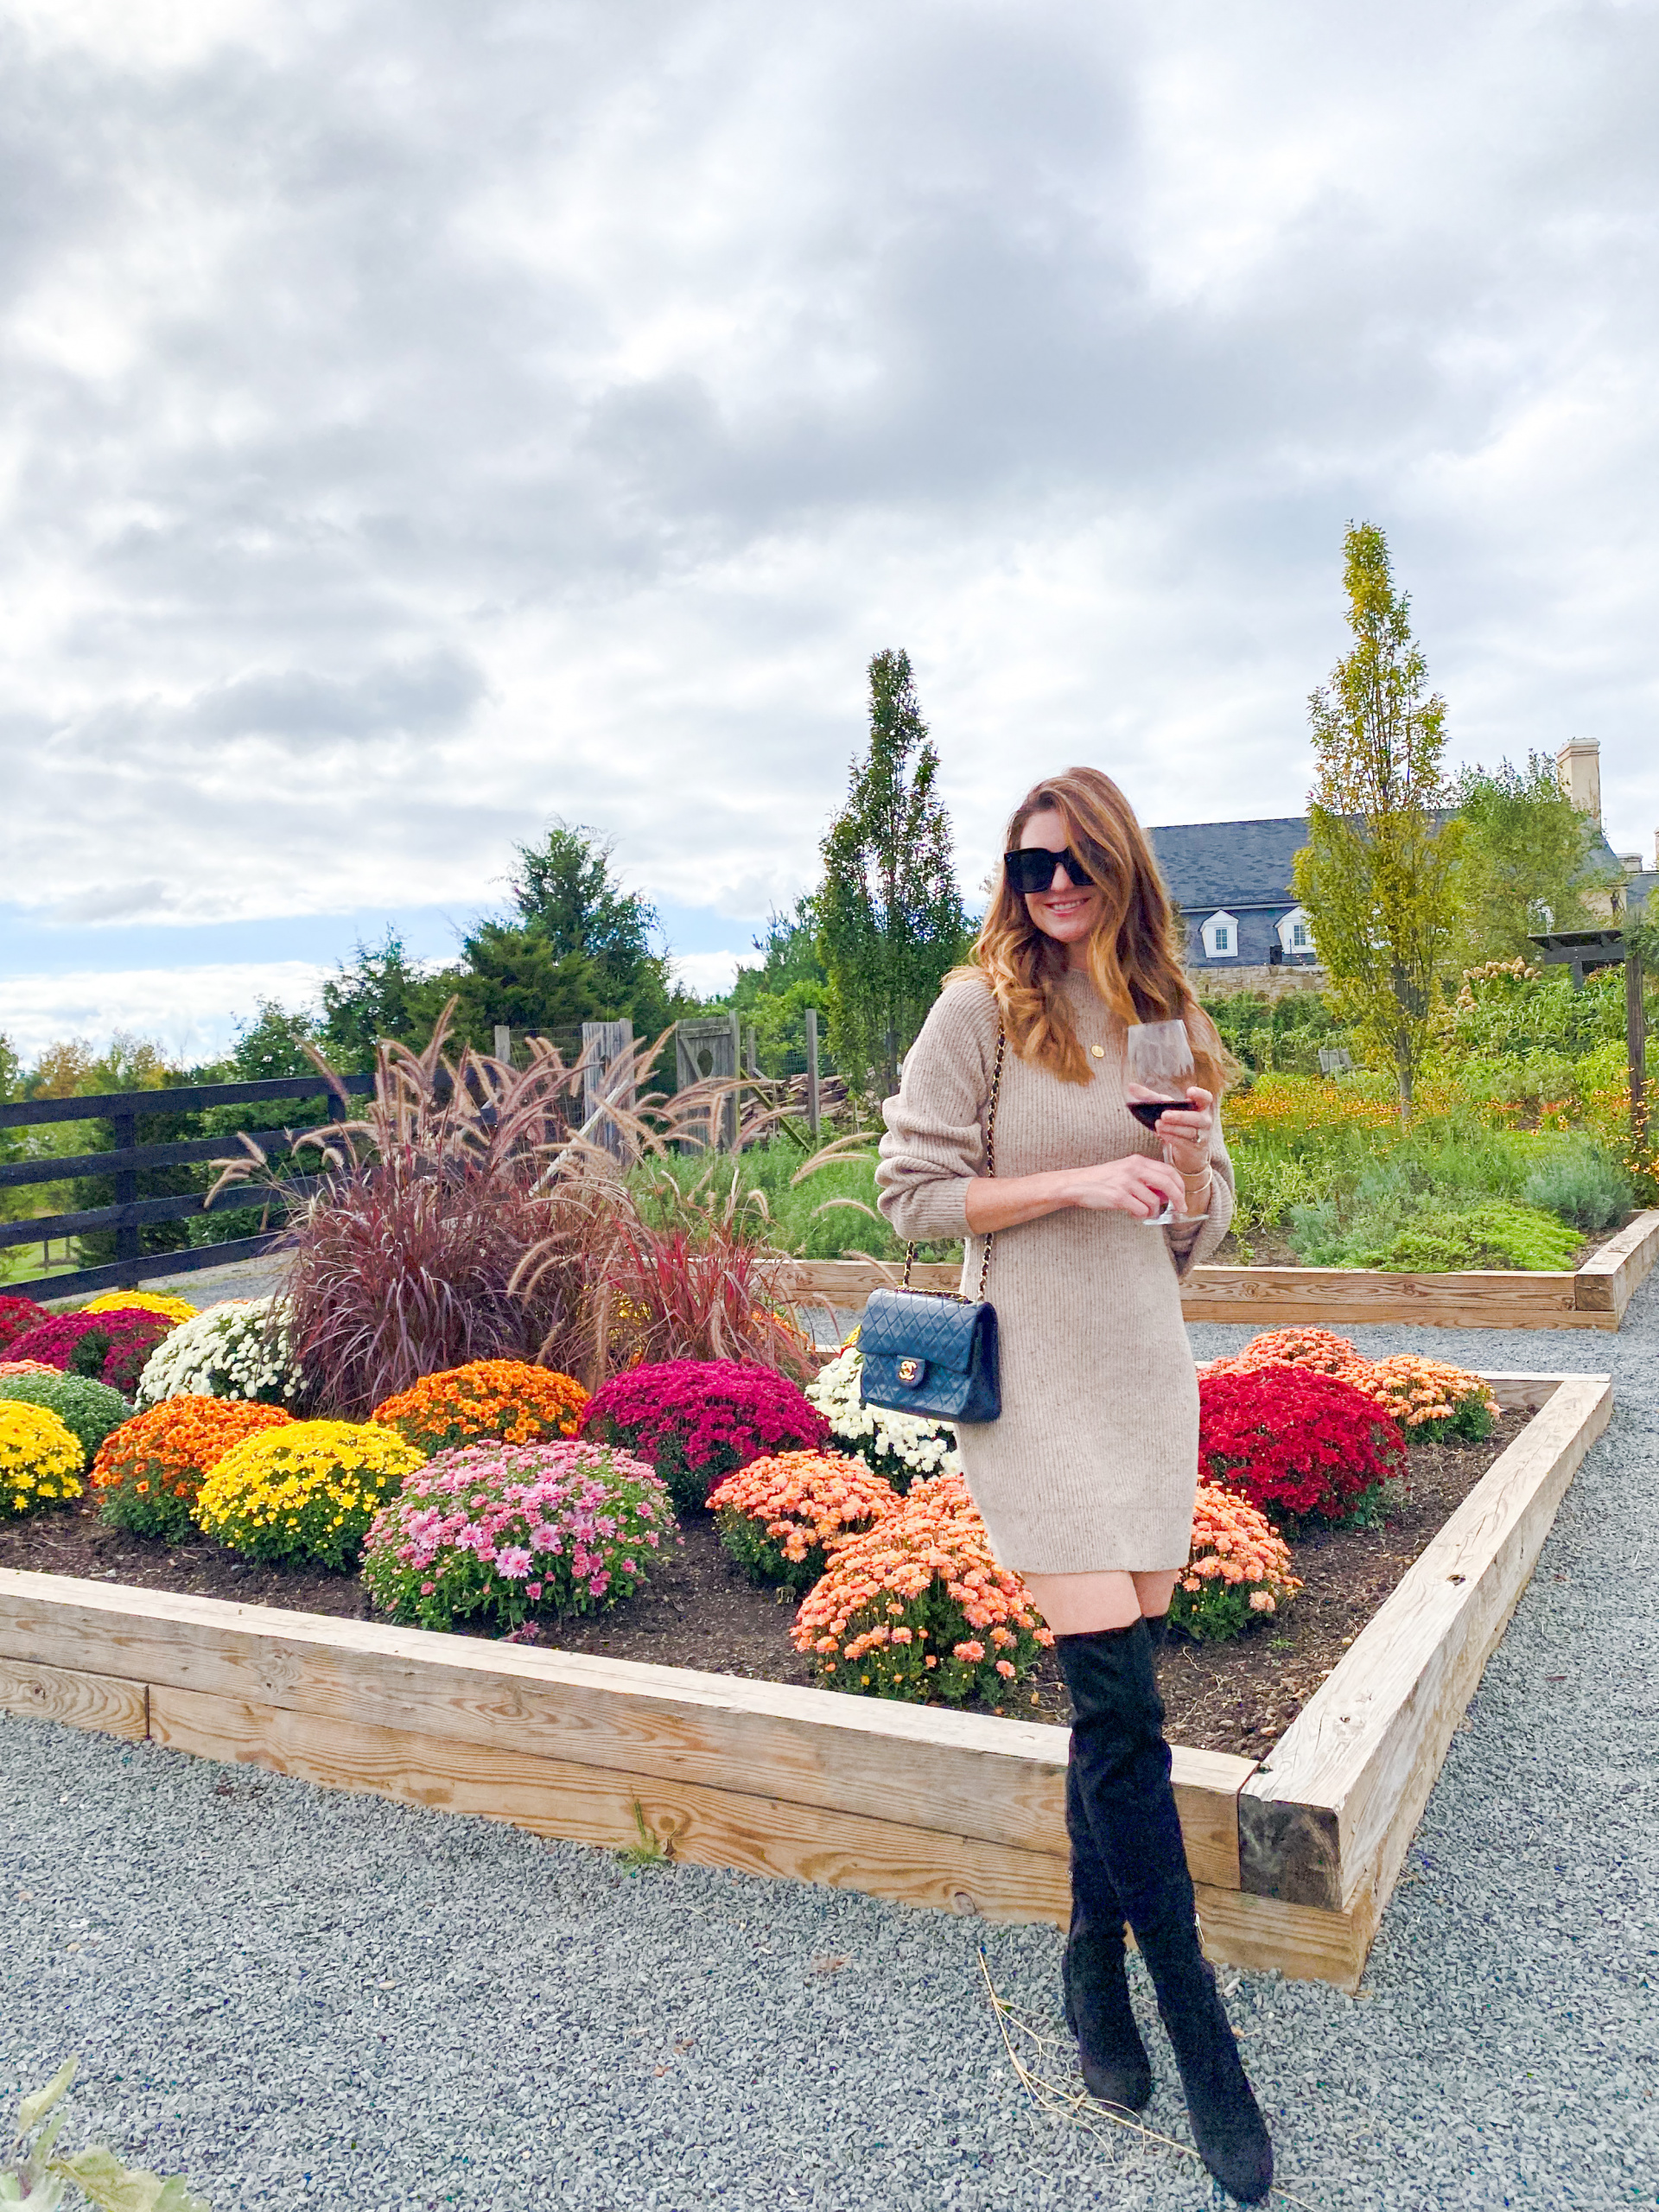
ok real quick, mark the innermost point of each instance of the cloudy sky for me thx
(419, 420)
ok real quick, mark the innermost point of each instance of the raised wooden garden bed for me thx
(1293, 1859)
(1594, 1296)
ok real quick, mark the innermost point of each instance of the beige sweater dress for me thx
(1094, 1462)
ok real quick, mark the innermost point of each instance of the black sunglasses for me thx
(1032, 868)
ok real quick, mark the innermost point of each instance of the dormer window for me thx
(1220, 937)
(1296, 934)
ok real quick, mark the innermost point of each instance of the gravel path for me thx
(303, 1998)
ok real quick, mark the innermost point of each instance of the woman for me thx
(1087, 1481)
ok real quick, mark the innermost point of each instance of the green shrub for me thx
(1583, 1186)
(88, 1410)
(1421, 1234)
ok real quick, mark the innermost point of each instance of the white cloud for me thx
(415, 423)
(711, 975)
(190, 1012)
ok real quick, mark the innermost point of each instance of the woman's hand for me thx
(1187, 1131)
(1134, 1185)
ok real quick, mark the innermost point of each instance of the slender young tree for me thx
(1378, 875)
(890, 916)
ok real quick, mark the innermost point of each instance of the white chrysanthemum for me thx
(889, 1440)
(237, 1349)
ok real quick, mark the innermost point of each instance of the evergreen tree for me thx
(565, 894)
(1526, 860)
(1378, 872)
(379, 992)
(890, 916)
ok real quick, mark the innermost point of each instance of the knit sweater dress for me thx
(1093, 1464)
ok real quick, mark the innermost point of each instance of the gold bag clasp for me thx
(910, 1370)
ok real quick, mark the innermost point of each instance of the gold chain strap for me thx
(990, 1169)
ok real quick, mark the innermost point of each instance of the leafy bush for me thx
(88, 1410)
(111, 1348)
(40, 1461)
(147, 1302)
(920, 1609)
(697, 1419)
(1427, 1235)
(899, 1446)
(1294, 1440)
(17, 1316)
(148, 1474)
(238, 1349)
(1583, 1186)
(1238, 1572)
(501, 1532)
(506, 1399)
(305, 1492)
(779, 1518)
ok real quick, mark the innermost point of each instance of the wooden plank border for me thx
(1327, 1820)
(1293, 1862)
(1594, 1296)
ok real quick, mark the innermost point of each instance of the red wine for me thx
(1147, 1111)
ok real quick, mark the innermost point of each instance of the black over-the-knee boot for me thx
(1098, 2008)
(1122, 1764)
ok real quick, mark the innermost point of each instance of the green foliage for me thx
(1287, 1032)
(775, 998)
(1424, 1233)
(1525, 863)
(1378, 874)
(379, 992)
(827, 1215)
(512, 975)
(37, 2173)
(891, 919)
(1583, 1186)
(133, 1063)
(88, 1410)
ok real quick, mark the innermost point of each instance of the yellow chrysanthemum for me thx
(152, 1301)
(41, 1459)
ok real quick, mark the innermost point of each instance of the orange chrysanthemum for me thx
(920, 1608)
(781, 1518)
(147, 1471)
(506, 1399)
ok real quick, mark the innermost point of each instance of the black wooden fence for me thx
(129, 1213)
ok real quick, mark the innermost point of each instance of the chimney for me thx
(1580, 762)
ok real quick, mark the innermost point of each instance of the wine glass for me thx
(1160, 1069)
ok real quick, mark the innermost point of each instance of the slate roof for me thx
(1244, 869)
(1209, 865)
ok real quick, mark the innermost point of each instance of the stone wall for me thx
(1266, 982)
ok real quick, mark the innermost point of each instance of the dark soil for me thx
(701, 1612)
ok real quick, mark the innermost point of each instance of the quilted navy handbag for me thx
(933, 1353)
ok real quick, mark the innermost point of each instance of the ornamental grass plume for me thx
(88, 1410)
(920, 1609)
(698, 1420)
(510, 1400)
(1295, 1441)
(304, 1492)
(111, 1348)
(149, 1302)
(40, 1461)
(148, 1472)
(781, 1518)
(1237, 1574)
(17, 1316)
(502, 1533)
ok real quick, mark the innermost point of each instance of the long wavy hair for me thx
(1135, 953)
